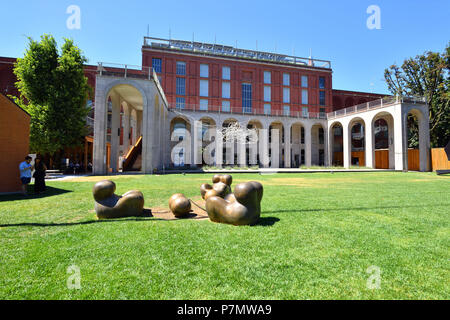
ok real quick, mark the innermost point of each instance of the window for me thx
(305, 112)
(181, 68)
(267, 93)
(247, 97)
(321, 83)
(226, 90)
(322, 98)
(305, 81)
(304, 96)
(204, 104)
(286, 95)
(286, 110)
(226, 106)
(267, 77)
(267, 108)
(203, 88)
(226, 73)
(204, 71)
(322, 113)
(180, 103)
(286, 79)
(181, 86)
(156, 64)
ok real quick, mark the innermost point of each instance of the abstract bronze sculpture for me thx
(220, 188)
(108, 205)
(243, 207)
(179, 205)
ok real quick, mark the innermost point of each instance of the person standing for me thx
(25, 168)
(39, 175)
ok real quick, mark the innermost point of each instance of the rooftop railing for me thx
(229, 51)
(250, 111)
(375, 104)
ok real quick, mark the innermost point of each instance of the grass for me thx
(318, 234)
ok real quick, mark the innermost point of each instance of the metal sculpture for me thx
(220, 188)
(243, 207)
(179, 205)
(108, 205)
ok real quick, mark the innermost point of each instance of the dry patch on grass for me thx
(196, 212)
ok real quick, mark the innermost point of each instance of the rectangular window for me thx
(322, 98)
(321, 83)
(156, 64)
(226, 73)
(267, 77)
(286, 79)
(304, 96)
(226, 107)
(247, 97)
(180, 103)
(226, 90)
(267, 109)
(267, 93)
(305, 81)
(181, 86)
(181, 68)
(286, 110)
(204, 71)
(286, 95)
(204, 104)
(204, 88)
(305, 112)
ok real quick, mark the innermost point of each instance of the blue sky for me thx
(112, 31)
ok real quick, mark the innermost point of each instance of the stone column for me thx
(424, 141)
(400, 139)
(219, 146)
(369, 143)
(147, 131)
(347, 147)
(99, 153)
(263, 146)
(126, 129)
(308, 142)
(287, 146)
(275, 148)
(115, 134)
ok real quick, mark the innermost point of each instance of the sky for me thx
(113, 31)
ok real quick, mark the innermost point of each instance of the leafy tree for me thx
(426, 75)
(54, 91)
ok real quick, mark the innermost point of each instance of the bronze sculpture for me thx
(108, 205)
(221, 186)
(243, 207)
(179, 205)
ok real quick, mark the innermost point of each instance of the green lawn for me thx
(319, 233)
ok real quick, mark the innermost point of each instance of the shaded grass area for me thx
(317, 236)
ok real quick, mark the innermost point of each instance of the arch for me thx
(383, 140)
(298, 145)
(417, 154)
(336, 143)
(357, 141)
(277, 155)
(318, 144)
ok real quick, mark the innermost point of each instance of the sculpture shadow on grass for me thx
(49, 192)
(266, 221)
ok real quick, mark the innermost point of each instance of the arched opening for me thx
(357, 142)
(180, 142)
(298, 145)
(417, 146)
(317, 145)
(337, 144)
(229, 151)
(252, 146)
(207, 134)
(124, 128)
(383, 135)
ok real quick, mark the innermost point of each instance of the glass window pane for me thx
(226, 106)
(286, 95)
(267, 77)
(204, 104)
(267, 108)
(203, 88)
(304, 96)
(305, 112)
(267, 93)
(321, 83)
(286, 110)
(286, 79)
(246, 97)
(156, 64)
(226, 73)
(180, 103)
(322, 98)
(181, 86)
(305, 81)
(204, 70)
(181, 68)
(226, 90)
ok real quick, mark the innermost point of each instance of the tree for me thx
(426, 75)
(54, 91)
